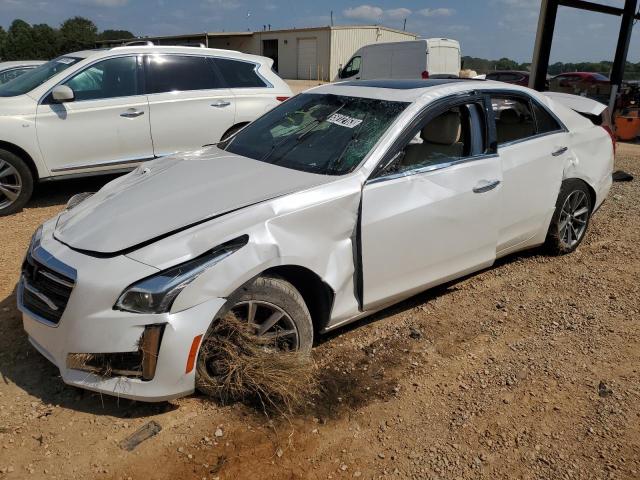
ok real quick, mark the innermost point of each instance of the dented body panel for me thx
(371, 239)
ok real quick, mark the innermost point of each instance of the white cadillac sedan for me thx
(339, 202)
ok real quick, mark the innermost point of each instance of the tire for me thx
(16, 183)
(232, 131)
(265, 292)
(571, 218)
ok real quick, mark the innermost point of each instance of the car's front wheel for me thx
(570, 219)
(16, 183)
(275, 312)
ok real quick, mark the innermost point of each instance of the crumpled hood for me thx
(172, 193)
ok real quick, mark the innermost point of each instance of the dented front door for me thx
(427, 228)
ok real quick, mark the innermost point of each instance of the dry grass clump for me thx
(97, 364)
(249, 369)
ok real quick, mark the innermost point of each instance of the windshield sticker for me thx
(65, 60)
(344, 120)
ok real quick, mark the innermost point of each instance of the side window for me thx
(545, 122)
(458, 133)
(351, 68)
(514, 119)
(180, 73)
(115, 77)
(239, 74)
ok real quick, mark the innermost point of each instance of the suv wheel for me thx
(16, 183)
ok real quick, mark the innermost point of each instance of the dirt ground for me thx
(528, 370)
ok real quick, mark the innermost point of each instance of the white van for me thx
(407, 60)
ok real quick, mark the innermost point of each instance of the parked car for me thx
(510, 76)
(102, 111)
(11, 70)
(337, 203)
(413, 59)
(572, 79)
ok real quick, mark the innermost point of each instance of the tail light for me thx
(612, 135)
(425, 75)
(282, 99)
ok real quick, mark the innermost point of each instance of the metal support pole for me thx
(624, 39)
(544, 38)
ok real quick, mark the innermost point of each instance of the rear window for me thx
(239, 74)
(544, 120)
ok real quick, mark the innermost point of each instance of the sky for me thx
(486, 28)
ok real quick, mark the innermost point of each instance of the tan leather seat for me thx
(511, 126)
(441, 141)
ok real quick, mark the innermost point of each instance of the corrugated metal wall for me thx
(345, 42)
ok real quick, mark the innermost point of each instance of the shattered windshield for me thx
(317, 133)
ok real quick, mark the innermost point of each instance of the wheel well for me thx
(317, 295)
(16, 150)
(592, 192)
(234, 127)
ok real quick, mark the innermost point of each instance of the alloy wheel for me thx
(573, 218)
(10, 184)
(269, 321)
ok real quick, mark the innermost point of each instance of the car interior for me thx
(454, 134)
(514, 120)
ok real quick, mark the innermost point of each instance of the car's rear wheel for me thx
(275, 310)
(570, 219)
(16, 183)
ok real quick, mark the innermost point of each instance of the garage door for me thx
(307, 58)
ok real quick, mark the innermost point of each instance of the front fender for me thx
(313, 229)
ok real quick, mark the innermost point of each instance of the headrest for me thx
(509, 116)
(443, 130)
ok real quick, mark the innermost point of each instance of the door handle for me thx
(131, 113)
(560, 151)
(485, 186)
(221, 104)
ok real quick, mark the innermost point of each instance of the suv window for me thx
(180, 73)
(457, 133)
(114, 77)
(514, 119)
(351, 68)
(239, 74)
(544, 120)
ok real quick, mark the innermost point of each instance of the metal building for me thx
(302, 53)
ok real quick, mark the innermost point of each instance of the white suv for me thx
(102, 111)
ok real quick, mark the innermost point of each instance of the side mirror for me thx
(62, 94)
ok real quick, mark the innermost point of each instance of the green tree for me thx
(116, 35)
(3, 41)
(19, 44)
(77, 33)
(46, 41)
(506, 64)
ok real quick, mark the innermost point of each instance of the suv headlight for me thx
(155, 294)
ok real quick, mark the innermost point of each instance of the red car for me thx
(580, 79)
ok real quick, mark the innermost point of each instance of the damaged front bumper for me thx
(136, 356)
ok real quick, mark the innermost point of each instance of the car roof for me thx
(410, 90)
(159, 49)
(20, 63)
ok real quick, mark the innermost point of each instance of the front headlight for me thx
(156, 294)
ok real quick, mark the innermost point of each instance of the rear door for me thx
(533, 149)
(189, 104)
(253, 94)
(433, 214)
